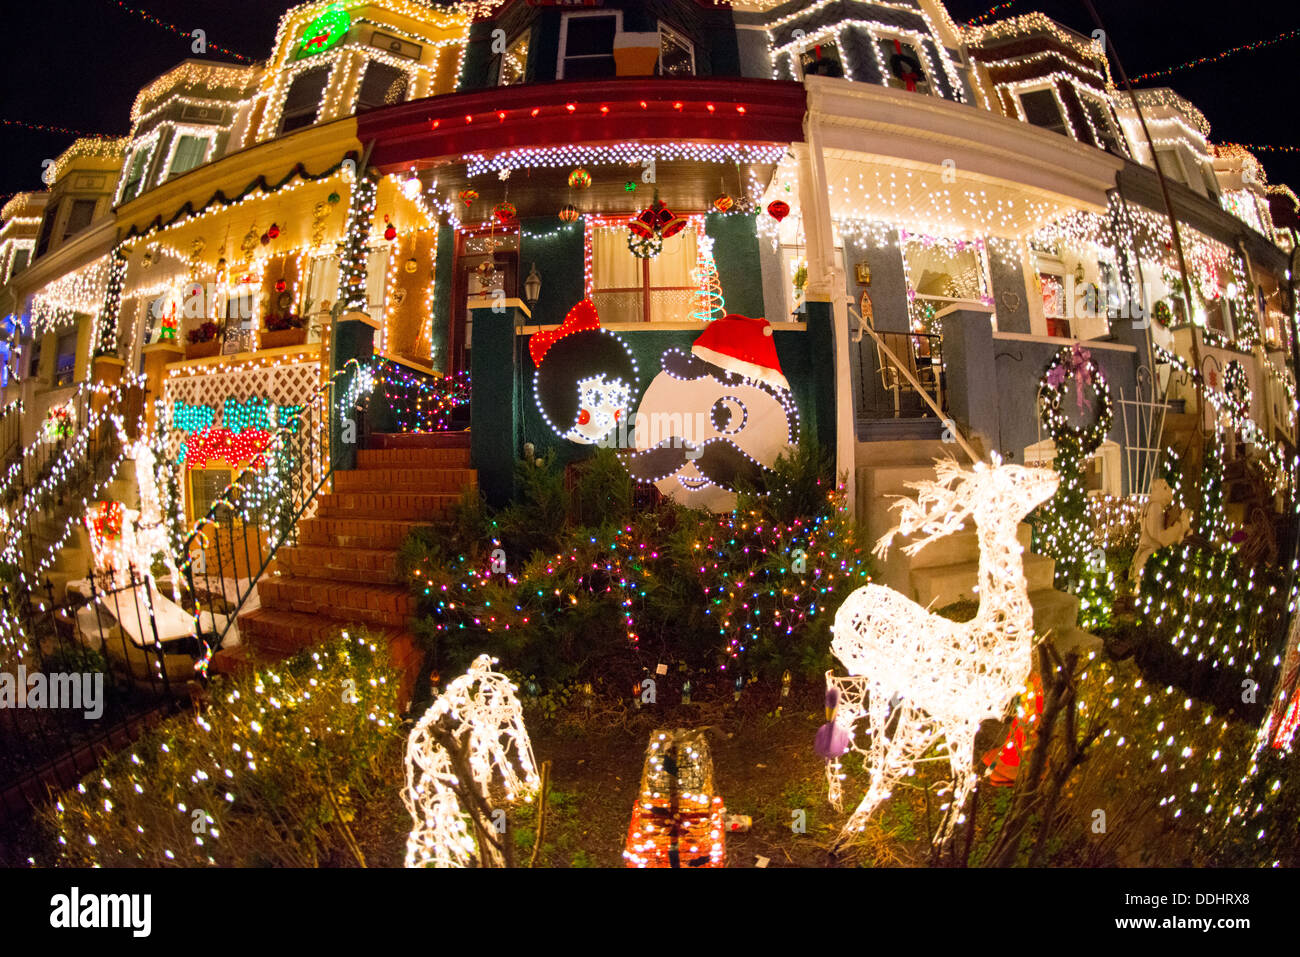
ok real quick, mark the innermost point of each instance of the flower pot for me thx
(201, 350)
(281, 338)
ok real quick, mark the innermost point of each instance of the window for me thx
(821, 59)
(1055, 309)
(323, 283)
(79, 217)
(21, 259)
(1171, 165)
(47, 229)
(1104, 124)
(206, 485)
(383, 85)
(376, 279)
(189, 152)
(587, 45)
(1043, 109)
(65, 359)
(302, 102)
(904, 65)
(135, 175)
(626, 288)
(514, 62)
(676, 54)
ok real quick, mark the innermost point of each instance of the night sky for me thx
(80, 64)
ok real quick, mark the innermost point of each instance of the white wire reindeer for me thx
(941, 678)
(481, 712)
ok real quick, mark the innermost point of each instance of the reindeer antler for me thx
(940, 508)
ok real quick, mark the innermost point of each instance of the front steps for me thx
(343, 569)
(947, 570)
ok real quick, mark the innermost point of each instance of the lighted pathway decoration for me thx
(943, 677)
(482, 715)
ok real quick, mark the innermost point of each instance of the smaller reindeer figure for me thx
(940, 679)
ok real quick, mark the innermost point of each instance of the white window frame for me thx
(387, 60)
(564, 33)
(200, 132)
(917, 47)
(1034, 86)
(329, 62)
(1116, 130)
(681, 38)
(149, 143)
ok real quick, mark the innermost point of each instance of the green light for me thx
(324, 32)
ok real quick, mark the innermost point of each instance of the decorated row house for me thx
(698, 232)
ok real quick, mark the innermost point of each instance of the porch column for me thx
(353, 337)
(826, 284)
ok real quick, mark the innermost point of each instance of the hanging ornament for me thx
(411, 265)
(647, 247)
(504, 212)
(723, 203)
(468, 197)
(629, 186)
(274, 231)
(281, 285)
(390, 231)
(334, 199)
(644, 225)
(266, 239)
(778, 210)
(569, 213)
(579, 179)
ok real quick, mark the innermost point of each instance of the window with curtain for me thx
(514, 62)
(383, 85)
(188, 153)
(676, 53)
(628, 289)
(135, 178)
(1107, 131)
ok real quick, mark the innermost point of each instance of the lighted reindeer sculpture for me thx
(940, 678)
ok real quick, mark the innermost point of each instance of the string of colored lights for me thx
(1201, 61)
(48, 128)
(990, 13)
(1262, 147)
(187, 34)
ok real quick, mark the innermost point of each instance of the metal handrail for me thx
(948, 423)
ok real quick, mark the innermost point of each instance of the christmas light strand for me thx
(187, 34)
(1201, 61)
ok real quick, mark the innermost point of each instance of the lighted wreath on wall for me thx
(716, 418)
(1076, 365)
(585, 376)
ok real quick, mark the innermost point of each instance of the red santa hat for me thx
(744, 346)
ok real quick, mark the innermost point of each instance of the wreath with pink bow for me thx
(1073, 370)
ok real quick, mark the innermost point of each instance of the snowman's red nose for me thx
(584, 417)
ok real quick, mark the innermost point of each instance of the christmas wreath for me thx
(1162, 314)
(1076, 364)
(645, 247)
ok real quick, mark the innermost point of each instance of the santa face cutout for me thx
(703, 430)
(584, 378)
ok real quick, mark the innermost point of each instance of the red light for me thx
(740, 109)
(711, 107)
(571, 107)
(501, 116)
(643, 105)
(604, 109)
(435, 123)
(536, 110)
(677, 106)
(468, 118)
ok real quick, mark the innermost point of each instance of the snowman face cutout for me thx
(700, 432)
(601, 401)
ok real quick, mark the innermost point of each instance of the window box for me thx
(201, 350)
(283, 338)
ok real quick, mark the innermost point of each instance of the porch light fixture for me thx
(533, 287)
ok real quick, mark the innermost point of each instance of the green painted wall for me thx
(442, 286)
(558, 250)
(735, 250)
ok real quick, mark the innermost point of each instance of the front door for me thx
(486, 261)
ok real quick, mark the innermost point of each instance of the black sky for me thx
(80, 63)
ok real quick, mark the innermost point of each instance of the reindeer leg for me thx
(961, 749)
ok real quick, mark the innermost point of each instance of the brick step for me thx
(338, 564)
(412, 506)
(419, 440)
(372, 604)
(413, 459)
(432, 481)
(271, 636)
(356, 533)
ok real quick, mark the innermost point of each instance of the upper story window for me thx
(302, 102)
(587, 44)
(382, 85)
(904, 65)
(514, 62)
(65, 359)
(21, 259)
(1043, 109)
(1171, 164)
(1103, 124)
(136, 167)
(47, 230)
(676, 53)
(189, 151)
(822, 59)
(79, 217)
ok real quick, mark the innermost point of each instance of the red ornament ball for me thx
(391, 232)
(266, 239)
(569, 213)
(505, 212)
(281, 285)
(274, 231)
(723, 203)
(778, 210)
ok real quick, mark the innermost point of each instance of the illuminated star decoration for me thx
(482, 713)
(941, 678)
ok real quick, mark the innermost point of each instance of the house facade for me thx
(923, 214)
